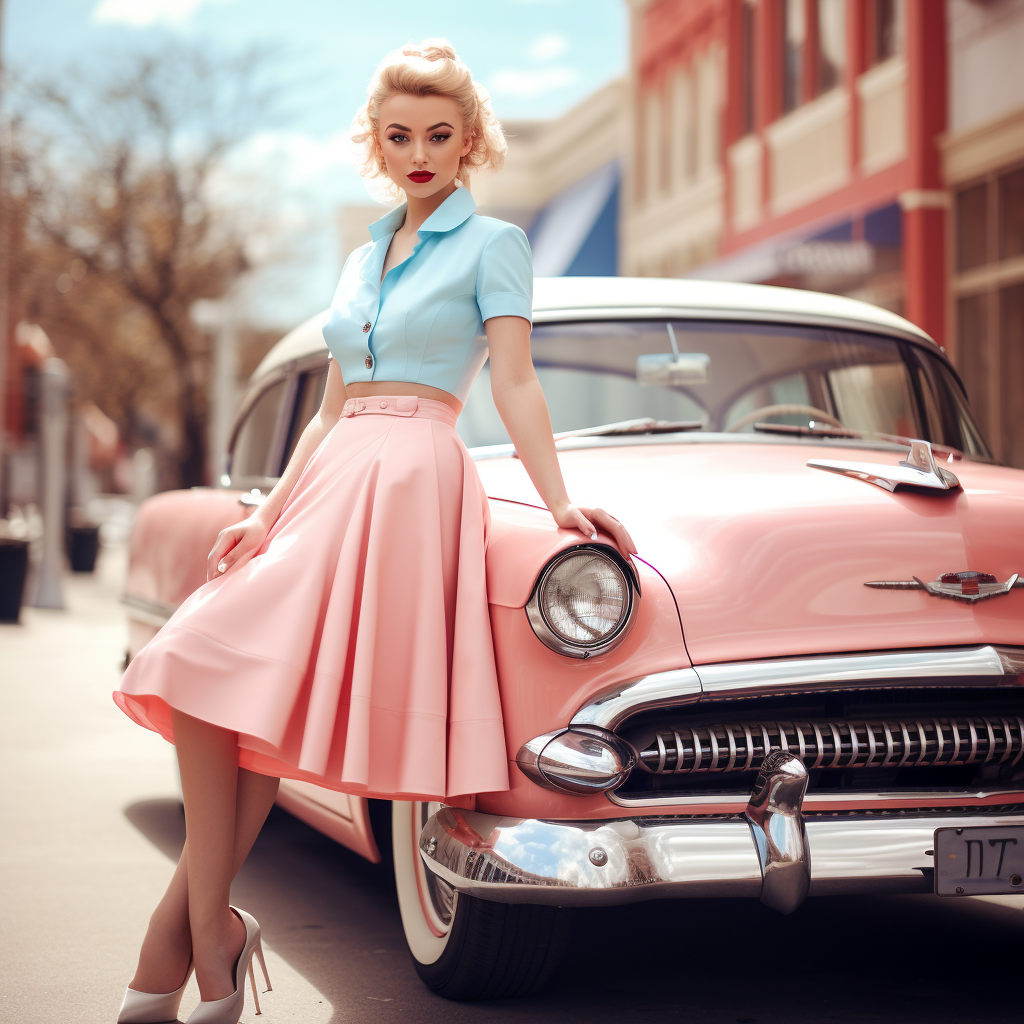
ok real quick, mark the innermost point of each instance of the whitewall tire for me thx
(464, 947)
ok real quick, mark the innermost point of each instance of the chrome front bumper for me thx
(596, 863)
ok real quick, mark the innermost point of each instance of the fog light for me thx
(580, 760)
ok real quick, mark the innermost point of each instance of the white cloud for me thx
(547, 46)
(148, 12)
(531, 84)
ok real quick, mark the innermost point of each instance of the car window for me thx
(735, 377)
(252, 441)
(875, 396)
(307, 400)
(957, 425)
(588, 374)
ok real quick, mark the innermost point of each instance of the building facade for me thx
(983, 167)
(870, 148)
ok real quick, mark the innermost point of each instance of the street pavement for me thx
(92, 825)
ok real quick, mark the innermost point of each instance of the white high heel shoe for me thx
(229, 1009)
(152, 1007)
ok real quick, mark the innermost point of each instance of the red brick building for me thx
(809, 143)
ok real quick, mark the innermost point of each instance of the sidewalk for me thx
(90, 818)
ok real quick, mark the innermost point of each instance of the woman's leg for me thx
(167, 947)
(225, 807)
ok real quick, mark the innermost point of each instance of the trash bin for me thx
(13, 570)
(83, 546)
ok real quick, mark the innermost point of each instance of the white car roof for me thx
(596, 297)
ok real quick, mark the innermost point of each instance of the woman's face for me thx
(422, 136)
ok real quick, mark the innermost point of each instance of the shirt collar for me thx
(450, 214)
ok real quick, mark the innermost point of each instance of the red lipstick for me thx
(420, 176)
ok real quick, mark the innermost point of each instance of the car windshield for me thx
(790, 381)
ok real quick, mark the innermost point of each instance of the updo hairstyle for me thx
(430, 68)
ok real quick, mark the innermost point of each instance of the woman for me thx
(342, 636)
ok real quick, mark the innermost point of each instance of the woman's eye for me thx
(441, 135)
(397, 138)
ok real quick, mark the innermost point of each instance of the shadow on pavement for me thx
(334, 918)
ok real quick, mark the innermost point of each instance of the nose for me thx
(419, 152)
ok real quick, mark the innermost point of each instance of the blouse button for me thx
(383, 405)
(366, 327)
(369, 361)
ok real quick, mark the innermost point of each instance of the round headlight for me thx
(582, 602)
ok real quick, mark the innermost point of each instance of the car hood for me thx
(768, 557)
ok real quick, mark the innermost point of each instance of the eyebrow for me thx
(440, 124)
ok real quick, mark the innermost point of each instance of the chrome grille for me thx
(885, 743)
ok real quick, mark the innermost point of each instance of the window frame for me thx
(290, 374)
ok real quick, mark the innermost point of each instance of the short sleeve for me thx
(504, 281)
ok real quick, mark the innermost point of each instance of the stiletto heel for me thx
(252, 983)
(152, 1007)
(229, 1009)
(263, 966)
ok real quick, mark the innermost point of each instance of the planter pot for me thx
(83, 546)
(13, 570)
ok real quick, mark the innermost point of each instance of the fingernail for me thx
(222, 567)
(593, 536)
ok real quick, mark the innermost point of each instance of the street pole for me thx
(219, 315)
(53, 448)
(4, 264)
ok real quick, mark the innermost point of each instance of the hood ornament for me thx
(960, 586)
(918, 470)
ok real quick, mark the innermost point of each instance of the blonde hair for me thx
(430, 68)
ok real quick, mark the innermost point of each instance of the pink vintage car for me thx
(813, 680)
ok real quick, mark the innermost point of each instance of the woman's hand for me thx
(235, 545)
(575, 517)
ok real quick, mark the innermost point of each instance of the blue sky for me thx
(536, 57)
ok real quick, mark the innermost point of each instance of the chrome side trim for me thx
(152, 613)
(778, 830)
(600, 863)
(942, 666)
(613, 705)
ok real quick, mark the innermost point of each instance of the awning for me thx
(575, 233)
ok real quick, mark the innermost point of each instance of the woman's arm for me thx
(520, 402)
(236, 544)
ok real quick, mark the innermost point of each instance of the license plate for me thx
(983, 861)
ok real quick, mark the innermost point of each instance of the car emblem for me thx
(960, 586)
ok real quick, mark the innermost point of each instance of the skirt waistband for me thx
(400, 405)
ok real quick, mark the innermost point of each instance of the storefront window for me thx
(794, 34)
(972, 227)
(831, 43)
(887, 28)
(747, 67)
(1011, 375)
(1011, 214)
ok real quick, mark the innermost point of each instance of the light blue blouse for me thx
(424, 323)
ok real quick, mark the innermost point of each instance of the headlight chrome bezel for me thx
(555, 641)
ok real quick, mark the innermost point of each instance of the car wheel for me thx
(464, 947)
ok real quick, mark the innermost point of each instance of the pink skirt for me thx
(353, 650)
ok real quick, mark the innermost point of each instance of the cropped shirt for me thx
(424, 323)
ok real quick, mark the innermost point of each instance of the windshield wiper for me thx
(818, 430)
(647, 425)
(824, 430)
